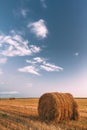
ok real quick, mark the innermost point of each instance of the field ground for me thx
(22, 114)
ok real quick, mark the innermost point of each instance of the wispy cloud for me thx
(39, 59)
(43, 3)
(9, 92)
(36, 60)
(34, 49)
(24, 12)
(17, 32)
(37, 64)
(16, 45)
(21, 12)
(3, 60)
(51, 67)
(31, 62)
(76, 54)
(39, 28)
(29, 69)
(45, 65)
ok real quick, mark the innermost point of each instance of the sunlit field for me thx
(22, 114)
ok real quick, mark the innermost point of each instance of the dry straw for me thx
(57, 107)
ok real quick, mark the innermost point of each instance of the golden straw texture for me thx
(57, 107)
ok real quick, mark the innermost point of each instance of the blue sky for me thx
(43, 47)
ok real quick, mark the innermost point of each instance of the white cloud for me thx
(3, 60)
(31, 62)
(29, 69)
(76, 54)
(50, 67)
(39, 28)
(39, 60)
(36, 60)
(9, 92)
(42, 64)
(34, 49)
(46, 65)
(15, 45)
(21, 12)
(24, 12)
(43, 3)
(17, 32)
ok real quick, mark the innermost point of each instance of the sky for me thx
(43, 47)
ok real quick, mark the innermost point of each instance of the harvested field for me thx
(22, 114)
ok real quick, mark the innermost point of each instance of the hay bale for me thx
(57, 107)
(76, 115)
(12, 98)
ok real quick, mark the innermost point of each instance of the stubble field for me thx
(22, 114)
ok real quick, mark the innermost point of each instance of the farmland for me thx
(22, 114)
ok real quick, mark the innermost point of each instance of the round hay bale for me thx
(70, 100)
(48, 107)
(57, 107)
(76, 115)
(66, 107)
